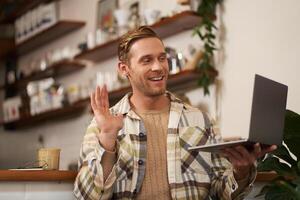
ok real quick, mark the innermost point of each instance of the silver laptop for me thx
(267, 117)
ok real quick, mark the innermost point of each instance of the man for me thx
(138, 148)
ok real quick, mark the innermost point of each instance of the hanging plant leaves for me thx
(205, 32)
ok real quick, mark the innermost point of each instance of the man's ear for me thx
(123, 69)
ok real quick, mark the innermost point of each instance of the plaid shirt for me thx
(191, 174)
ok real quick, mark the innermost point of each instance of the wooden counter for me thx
(69, 176)
(37, 175)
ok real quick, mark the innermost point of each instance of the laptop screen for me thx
(268, 111)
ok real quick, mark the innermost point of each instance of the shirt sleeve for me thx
(89, 183)
(224, 186)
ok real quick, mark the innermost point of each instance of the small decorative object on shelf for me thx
(175, 59)
(28, 120)
(35, 21)
(44, 95)
(134, 18)
(11, 109)
(122, 18)
(151, 16)
(164, 28)
(105, 16)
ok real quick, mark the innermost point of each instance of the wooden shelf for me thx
(59, 29)
(19, 10)
(184, 80)
(164, 28)
(37, 175)
(67, 111)
(6, 46)
(57, 69)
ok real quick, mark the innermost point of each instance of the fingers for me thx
(99, 99)
(105, 100)
(93, 102)
(239, 156)
(268, 150)
(246, 154)
(257, 150)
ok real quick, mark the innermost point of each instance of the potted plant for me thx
(285, 161)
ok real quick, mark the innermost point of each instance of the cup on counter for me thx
(49, 158)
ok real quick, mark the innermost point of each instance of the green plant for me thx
(287, 185)
(206, 31)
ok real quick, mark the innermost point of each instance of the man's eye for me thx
(146, 60)
(162, 58)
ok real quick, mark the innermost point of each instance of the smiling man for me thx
(138, 148)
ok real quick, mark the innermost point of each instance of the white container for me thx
(90, 39)
(101, 37)
(151, 15)
(50, 14)
(122, 17)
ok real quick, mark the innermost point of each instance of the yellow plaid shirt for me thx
(191, 174)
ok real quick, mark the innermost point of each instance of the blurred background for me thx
(54, 53)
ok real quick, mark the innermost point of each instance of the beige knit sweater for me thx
(155, 185)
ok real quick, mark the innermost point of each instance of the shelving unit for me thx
(183, 80)
(59, 29)
(164, 28)
(55, 70)
(68, 111)
(186, 80)
(20, 9)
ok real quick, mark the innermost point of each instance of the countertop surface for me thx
(69, 176)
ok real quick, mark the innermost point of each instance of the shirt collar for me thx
(124, 107)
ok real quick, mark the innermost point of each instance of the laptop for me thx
(267, 117)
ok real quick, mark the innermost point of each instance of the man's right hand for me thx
(108, 124)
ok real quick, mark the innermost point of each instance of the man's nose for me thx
(157, 66)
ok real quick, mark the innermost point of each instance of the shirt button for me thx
(140, 162)
(141, 134)
(233, 187)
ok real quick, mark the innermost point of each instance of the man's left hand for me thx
(242, 160)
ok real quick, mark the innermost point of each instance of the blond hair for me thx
(127, 40)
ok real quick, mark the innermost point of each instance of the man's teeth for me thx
(156, 78)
